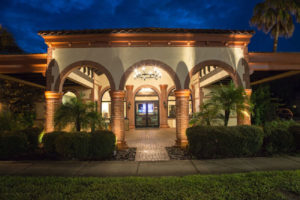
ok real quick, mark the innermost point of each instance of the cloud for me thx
(57, 6)
(24, 18)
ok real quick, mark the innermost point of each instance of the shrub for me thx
(12, 144)
(73, 145)
(48, 141)
(32, 137)
(102, 144)
(221, 141)
(278, 138)
(295, 131)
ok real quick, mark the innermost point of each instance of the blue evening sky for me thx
(24, 18)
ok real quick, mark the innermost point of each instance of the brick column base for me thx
(182, 116)
(53, 99)
(117, 117)
(244, 117)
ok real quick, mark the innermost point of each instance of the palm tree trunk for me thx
(276, 38)
(226, 119)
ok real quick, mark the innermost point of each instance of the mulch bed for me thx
(125, 155)
(177, 153)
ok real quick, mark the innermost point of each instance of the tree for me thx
(229, 98)
(19, 98)
(276, 17)
(208, 113)
(264, 106)
(8, 44)
(82, 114)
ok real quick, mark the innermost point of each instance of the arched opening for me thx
(154, 75)
(84, 69)
(85, 79)
(68, 96)
(204, 77)
(146, 107)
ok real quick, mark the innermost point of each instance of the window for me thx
(106, 105)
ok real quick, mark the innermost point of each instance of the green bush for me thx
(48, 141)
(32, 137)
(13, 144)
(73, 145)
(295, 131)
(221, 141)
(278, 138)
(102, 144)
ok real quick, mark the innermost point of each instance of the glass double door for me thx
(146, 114)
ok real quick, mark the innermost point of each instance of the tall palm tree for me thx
(276, 17)
(229, 98)
(73, 111)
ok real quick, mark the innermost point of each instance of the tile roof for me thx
(143, 30)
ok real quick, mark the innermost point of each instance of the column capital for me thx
(163, 86)
(117, 94)
(129, 87)
(182, 93)
(53, 95)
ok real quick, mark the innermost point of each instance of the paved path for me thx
(151, 143)
(158, 168)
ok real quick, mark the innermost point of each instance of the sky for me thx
(24, 18)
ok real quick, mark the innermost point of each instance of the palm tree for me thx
(96, 121)
(276, 17)
(73, 111)
(208, 113)
(229, 98)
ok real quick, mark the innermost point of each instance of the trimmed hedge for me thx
(102, 144)
(73, 145)
(80, 145)
(13, 144)
(32, 135)
(278, 137)
(221, 141)
(295, 131)
(49, 142)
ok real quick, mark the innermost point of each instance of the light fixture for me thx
(143, 74)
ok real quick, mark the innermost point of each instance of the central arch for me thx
(226, 67)
(66, 71)
(158, 64)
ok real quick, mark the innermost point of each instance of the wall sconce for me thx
(129, 105)
(165, 104)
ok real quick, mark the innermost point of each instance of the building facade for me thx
(152, 77)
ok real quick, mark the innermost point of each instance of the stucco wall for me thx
(180, 59)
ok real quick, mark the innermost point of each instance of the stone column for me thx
(244, 117)
(163, 105)
(117, 117)
(130, 105)
(53, 99)
(182, 116)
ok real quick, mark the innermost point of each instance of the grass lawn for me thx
(255, 185)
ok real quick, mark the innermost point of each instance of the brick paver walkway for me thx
(151, 143)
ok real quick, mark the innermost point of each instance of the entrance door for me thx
(146, 114)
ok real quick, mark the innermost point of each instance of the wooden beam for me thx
(9, 78)
(276, 77)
